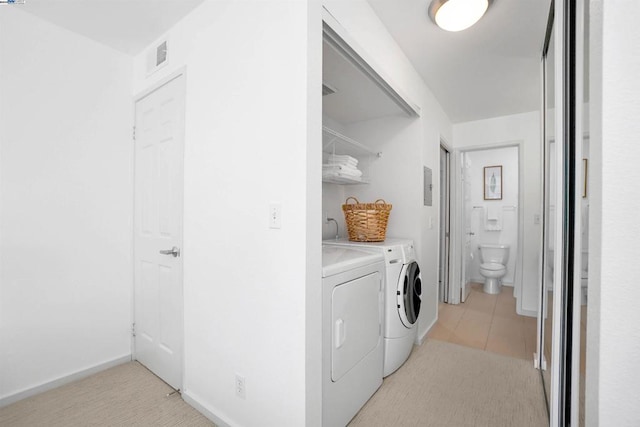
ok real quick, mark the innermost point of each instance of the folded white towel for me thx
(339, 167)
(341, 175)
(347, 172)
(343, 157)
(344, 165)
(342, 160)
(352, 165)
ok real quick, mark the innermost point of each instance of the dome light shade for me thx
(457, 15)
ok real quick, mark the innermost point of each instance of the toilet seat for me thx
(492, 266)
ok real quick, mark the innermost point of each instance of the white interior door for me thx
(443, 267)
(159, 148)
(467, 253)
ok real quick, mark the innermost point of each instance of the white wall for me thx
(396, 176)
(507, 158)
(333, 195)
(410, 144)
(65, 204)
(526, 128)
(613, 335)
(252, 294)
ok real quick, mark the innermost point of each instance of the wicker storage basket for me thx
(366, 222)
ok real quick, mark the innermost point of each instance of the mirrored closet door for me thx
(561, 295)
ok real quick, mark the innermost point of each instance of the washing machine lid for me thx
(492, 266)
(393, 248)
(338, 259)
(388, 242)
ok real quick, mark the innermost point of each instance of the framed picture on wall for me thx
(493, 183)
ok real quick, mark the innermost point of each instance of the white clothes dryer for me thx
(403, 291)
(352, 317)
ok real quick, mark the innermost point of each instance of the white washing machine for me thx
(352, 318)
(403, 290)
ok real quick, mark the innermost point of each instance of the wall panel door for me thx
(159, 148)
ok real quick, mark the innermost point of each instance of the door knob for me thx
(175, 251)
(471, 234)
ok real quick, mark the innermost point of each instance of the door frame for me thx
(180, 72)
(445, 200)
(540, 361)
(457, 223)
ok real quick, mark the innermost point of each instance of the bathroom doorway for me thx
(491, 322)
(490, 210)
(487, 215)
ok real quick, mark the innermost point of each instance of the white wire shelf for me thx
(336, 143)
(356, 147)
(344, 180)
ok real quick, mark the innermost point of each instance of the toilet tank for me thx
(494, 253)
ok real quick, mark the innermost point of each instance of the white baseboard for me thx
(529, 313)
(420, 338)
(12, 398)
(203, 409)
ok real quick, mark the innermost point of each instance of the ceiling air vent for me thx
(157, 57)
(327, 90)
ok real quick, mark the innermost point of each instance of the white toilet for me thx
(493, 266)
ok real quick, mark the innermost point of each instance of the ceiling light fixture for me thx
(457, 15)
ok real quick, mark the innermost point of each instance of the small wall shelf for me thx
(335, 143)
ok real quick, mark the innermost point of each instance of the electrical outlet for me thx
(275, 215)
(241, 391)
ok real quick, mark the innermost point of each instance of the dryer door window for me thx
(409, 293)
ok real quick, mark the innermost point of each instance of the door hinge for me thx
(134, 133)
(133, 329)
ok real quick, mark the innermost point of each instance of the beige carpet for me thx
(445, 384)
(441, 384)
(127, 395)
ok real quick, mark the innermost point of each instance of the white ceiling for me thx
(491, 69)
(125, 25)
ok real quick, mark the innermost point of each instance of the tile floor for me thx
(487, 322)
